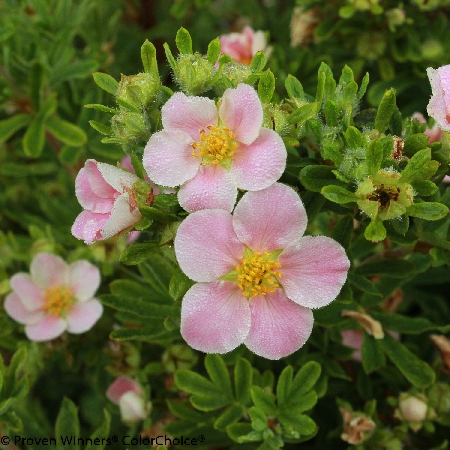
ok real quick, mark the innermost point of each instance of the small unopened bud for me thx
(139, 90)
(236, 72)
(395, 17)
(194, 73)
(130, 127)
(413, 409)
(132, 407)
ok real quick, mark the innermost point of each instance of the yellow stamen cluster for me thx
(58, 300)
(214, 146)
(257, 275)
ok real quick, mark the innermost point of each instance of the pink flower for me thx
(55, 297)
(434, 134)
(257, 277)
(211, 151)
(439, 105)
(106, 194)
(242, 47)
(126, 393)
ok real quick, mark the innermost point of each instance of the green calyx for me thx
(138, 90)
(194, 73)
(384, 195)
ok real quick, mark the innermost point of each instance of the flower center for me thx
(58, 300)
(215, 147)
(257, 273)
(384, 194)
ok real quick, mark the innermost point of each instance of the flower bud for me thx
(131, 127)
(413, 409)
(194, 73)
(236, 72)
(132, 407)
(395, 17)
(138, 90)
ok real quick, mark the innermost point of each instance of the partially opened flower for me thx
(211, 151)
(242, 47)
(126, 393)
(439, 105)
(257, 277)
(55, 297)
(106, 194)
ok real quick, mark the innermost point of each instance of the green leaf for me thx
(284, 384)
(127, 289)
(231, 415)
(374, 156)
(417, 167)
(185, 411)
(243, 378)
(34, 139)
(158, 216)
(305, 379)
(157, 334)
(66, 132)
(258, 62)
(338, 194)
(139, 307)
(296, 424)
(315, 178)
(294, 88)
(243, 432)
(213, 51)
(354, 137)
(194, 383)
(363, 284)
(102, 108)
(407, 325)
(101, 433)
(343, 231)
(416, 371)
(218, 373)
(363, 87)
(183, 41)
(36, 80)
(414, 143)
(266, 86)
(137, 253)
(179, 284)
(428, 210)
(424, 188)
(331, 113)
(385, 110)
(67, 428)
(9, 126)
(303, 113)
(169, 56)
(6, 31)
(371, 353)
(100, 127)
(395, 268)
(106, 82)
(263, 400)
(158, 271)
(375, 231)
(148, 57)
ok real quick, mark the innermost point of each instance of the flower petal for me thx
(168, 158)
(48, 270)
(439, 104)
(215, 317)
(82, 316)
(270, 219)
(260, 164)
(188, 114)
(279, 326)
(212, 188)
(87, 198)
(119, 179)
(353, 339)
(206, 245)
(96, 181)
(313, 271)
(31, 295)
(88, 226)
(132, 407)
(50, 327)
(241, 111)
(84, 279)
(122, 216)
(16, 309)
(120, 386)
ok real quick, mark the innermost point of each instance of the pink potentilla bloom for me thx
(126, 393)
(434, 134)
(211, 151)
(439, 105)
(55, 297)
(257, 277)
(106, 194)
(242, 47)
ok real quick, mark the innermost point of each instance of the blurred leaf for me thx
(179, 284)
(137, 253)
(9, 126)
(34, 139)
(372, 355)
(66, 132)
(106, 82)
(396, 268)
(67, 427)
(243, 376)
(101, 433)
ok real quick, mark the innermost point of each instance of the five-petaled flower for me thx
(127, 393)
(106, 194)
(242, 47)
(257, 277)
(439, 105)
(55, 297)
(211, 151)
